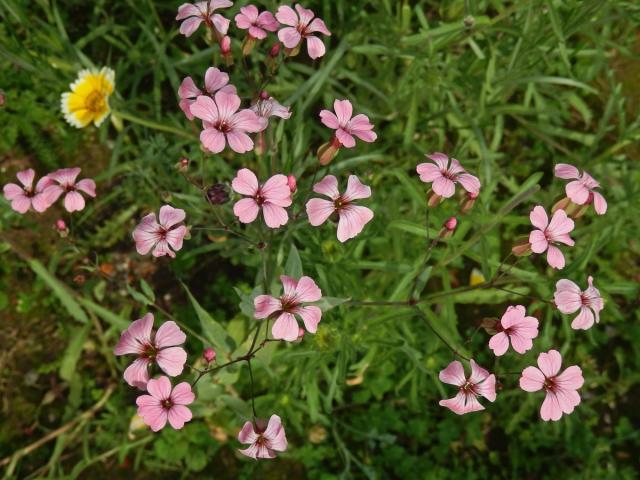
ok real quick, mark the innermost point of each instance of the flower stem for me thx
(154, 125)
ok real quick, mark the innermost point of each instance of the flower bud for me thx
(225, 49)
(61, 227)
(522, 247)
(218, 194)
(209, 355)
(451, 224)
(292, 52)
(247, 45)
(491, 325)
(183, 164)
(469, 21)
(293, 185)
(467, 202)
(264, 95)
(275, 50)
(300, 335)
(433, 199)
(328, 151)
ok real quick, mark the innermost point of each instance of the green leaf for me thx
(327, 303)
(69, 362)
(293, 267)
(148, 291)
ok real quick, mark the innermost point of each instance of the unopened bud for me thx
(468, 201)
(300, 335)
(292, 52)
(522, 247)
(293, 185)
(183, 164)
(469, 21)
(61, 227)
(225, 49)
(328, 151)
(433, 199)
(451, 224)
(209, 355)
(561, 205)
(218, 194)
(264, 95)
(275, 50)
(491, 325)
(247, 45)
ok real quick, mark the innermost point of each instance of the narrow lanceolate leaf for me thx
(293, 267)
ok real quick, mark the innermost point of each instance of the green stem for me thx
(153, 125)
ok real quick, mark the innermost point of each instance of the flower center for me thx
(447, 174)
(149, 351)
(549, 384)
(223, 126)
(167, 403)
(585, 300)
(468, 388)
(339, 203)
(259, 198)
(95, 102)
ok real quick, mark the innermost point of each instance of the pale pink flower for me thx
(582, 190)
(351, 218)
(271, 198)
(443, 175)
(257, 23)
(214, 80)
(479, 384)
(170, 232)
(514, 326)
(269, 107)
(548, 234)
(194, 14)
(561, 389)
(224, 123)
(160, 347)
(67, 185)
(291, 303)
(345, 126)
(263, 439)
(301, 26)
(24, 197)
(164, 404)
(569, 299)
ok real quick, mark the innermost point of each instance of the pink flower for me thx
(66, 184)
(569, 299)
(269, 107)
(194, 14)
(24, 197)
(444, 176)
(345, 126)
(479, 384)
(214, 80)
(514, 327)
(257, 24)
(263, 439)
(150, 234)
(301, 28)
(582, 190)
(161, 348)
(290, 303)
(164, 404)
(223, 122)
(271, 198)
(548, 234)
(562, 395)
(351, 218)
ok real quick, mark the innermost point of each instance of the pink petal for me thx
(285, 328)
(175, 237)
(329, 119)
(275, 434)
(11, 191)
(274, 215)
(512, 316)
(169, 335)
(356, 189)
(571, 378)
(87, 186)
(247, 434)
(538, 241)
(73, 201)
(134, 338)
(182, 394)
(327, 186)
(577, 192)
(567, 296)
(185, 106)
(205, 109)
(290, 37)
(251, 452)
(352, 220)
(188, 89)
(469, 182)
(453, 374)
(171, 360)
(40, 202)
(560, 224)
(499, 343)
(215, 79)
(319, 210)
(276, 190)
(550, 409)
(532, 379)
(345, 138)
(159, 388)
(317, 25)
(289, 285)
(190, 25)
(257, 32)
(170, 216)
(315, 47)
(550, 363)
(137, 374)
(462, 404)
(267, 21)
(26, 177)
(287, 16)
(146, 234)
(307, 291)
(599, 203)
(555, 258)
(187, 10)
(428, 172)
(153, 415)
(246, 210)
(311, 317)
(178, 415)
(442, 160)
(246, 120)
(521, 343)
(220, 23)
(245, 182)
(161, 249)
(566, 171)
(212, 139)
(443, 187)
(538, 217)
(478, 374)
(227, 103)
(305, 14)
(21, 204)
(344, 111)
(266, 305)
(243, 22)
(239, 141)
(487, 388)
(584, 320)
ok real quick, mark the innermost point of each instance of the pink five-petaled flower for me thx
(194, 14)
(345, 126)
(289, 304)
(271, 198)
(480, 383)
(514, 326)
(150, 234)
(257, 23)
(67, 185)
(569, 299)
(351, 218)
(223, 122)
(263, 439)
(562, 396)
(444, 175)
(582, 190)
(161, 348)
(24, 197)
(548, 234)
(164, 404)
(214, 80)
(301, 28)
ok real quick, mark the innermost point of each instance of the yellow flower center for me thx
(95, 102)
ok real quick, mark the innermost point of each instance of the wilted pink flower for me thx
(161, 348)
(194, 14)
(548, 234)
(569, 299)
(290, 303)
(582, 190)
(301, 28)
(67, 185)
(269, 107)
(444, 175)
(214, 80)
(24, 197)
(164, 404)
(224, 123)
(479, 384)
(263, 439)
(257, 23)
(271, 198)
(351, 218)
(345, 126)
(170, 232)
(562, 395)
(514, 326)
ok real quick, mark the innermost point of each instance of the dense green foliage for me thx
(509, 88)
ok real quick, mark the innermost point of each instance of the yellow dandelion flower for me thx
(88, 100)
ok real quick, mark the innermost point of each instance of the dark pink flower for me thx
(24, 197)
(194, 14)
(582, 190)
(67, 185)
(160, 348)
(164, 404)
(444, 175)
(479, 384)
(301, 26)
(549, 234)
(569, 299)
(214, 80)
(290, 304)
(257, 23)
(351, 218)
(170, 232)
(263, 439)
(561, 389)
(514, 326)
(271, 198)
(345, 126)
